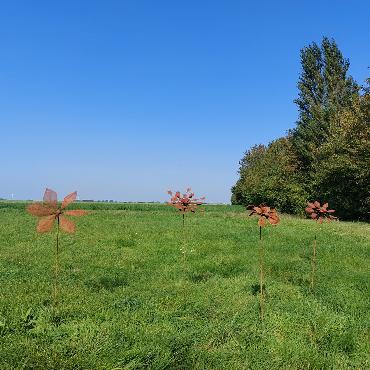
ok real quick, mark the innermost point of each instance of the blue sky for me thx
(126, 99)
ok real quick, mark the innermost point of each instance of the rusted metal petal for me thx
(67, 225)
(40, 209)
(309, 210)
(46, 224)
(274, 221)
(50, 196)
(69, 199)
(265, 209)
(261, 221)
(258, 210)
(274, 218)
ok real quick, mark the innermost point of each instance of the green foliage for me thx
(327, 156)
(341, 169)
(269, 175)
(324, 90)
(130, 306)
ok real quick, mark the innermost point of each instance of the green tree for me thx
(248, 164)
(269, 175)
(324, 90)
(341, 169)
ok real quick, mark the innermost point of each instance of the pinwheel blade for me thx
(69, 199)
(39, 210)
(261, 222)
(50, 197)
(46, 224)
(67, 225)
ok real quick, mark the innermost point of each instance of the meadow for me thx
(138, 291)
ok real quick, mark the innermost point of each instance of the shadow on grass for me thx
(107, 282)
(255, 289)
(200, 277)
(129, 303)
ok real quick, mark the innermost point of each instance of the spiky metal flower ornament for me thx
(318, 213)
(49, 212)
(184, 202)
(265, 213)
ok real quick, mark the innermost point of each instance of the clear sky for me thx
(126, 99)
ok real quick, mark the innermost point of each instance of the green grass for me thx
(130, 300)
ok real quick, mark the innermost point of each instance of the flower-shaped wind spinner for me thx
(184, 202)
(320, 212)
(48, 213)
(264, 213)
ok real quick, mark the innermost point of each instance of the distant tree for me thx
(250, 161)
(324, 90)
(269, 175)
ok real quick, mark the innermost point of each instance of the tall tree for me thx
(324, 90)
(341, 170)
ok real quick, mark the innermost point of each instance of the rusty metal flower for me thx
(265, 213)
(48, 211)
(184, 202)
(320, 212)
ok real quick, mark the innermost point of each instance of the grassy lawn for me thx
(131, 299)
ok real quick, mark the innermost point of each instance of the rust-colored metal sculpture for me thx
(184, 202)
(318, 213)
(265, 213)
(49, 212)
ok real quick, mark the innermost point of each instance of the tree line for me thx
(327, 155)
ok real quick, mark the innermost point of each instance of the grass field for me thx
(130, 299)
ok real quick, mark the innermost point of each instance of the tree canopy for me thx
(327, 155)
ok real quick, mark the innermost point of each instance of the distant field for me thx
(130, 300)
